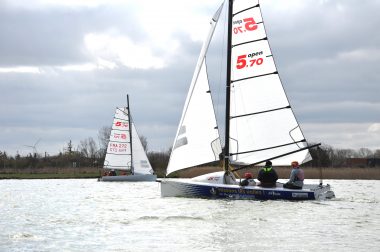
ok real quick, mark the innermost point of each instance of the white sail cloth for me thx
(262, 123)
(121, 154)
(197, 139)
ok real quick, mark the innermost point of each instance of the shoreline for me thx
(350, 173)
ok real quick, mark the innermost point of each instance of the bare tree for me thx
(87, 147)
(365, 153)
(104, 137)
(341, 155)
(377, 153)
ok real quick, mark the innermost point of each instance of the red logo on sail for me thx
(121, 124)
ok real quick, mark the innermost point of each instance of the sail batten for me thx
(249, 42)
(118, 154)
(260, 112)
(251, 77)
(268, 148)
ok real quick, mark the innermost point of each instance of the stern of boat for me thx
(322, 192)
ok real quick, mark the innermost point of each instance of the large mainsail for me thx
(118, 154)
(197, 139)
(262, 124)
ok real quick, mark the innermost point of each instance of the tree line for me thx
(91, 154)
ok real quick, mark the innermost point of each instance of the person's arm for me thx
(293, 174)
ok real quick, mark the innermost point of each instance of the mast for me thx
(228, 87)
(130, 133)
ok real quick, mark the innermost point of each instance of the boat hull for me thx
(130, 178)
(188, 188)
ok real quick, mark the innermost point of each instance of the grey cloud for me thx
(58, 106)
(55, 36)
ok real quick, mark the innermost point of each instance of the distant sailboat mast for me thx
(228, 88)
(130, 133)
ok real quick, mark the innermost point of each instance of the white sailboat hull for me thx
(130, 178)
(214, 190)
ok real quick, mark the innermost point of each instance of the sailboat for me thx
(126, 159)
(259, 122)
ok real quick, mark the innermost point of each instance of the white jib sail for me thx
(197, 139)
(262, 122)
(118, 154)
(141, 164)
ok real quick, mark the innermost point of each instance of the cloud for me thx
(122, 49)
(344, 135)
(374, 128)
(66, 65)
(20, 69)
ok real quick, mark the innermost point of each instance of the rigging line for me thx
(118, 154)
(212, 100)
(247, 78)
(121, 110)
(282, 155)
(269, 148)
(120, 130)
(251, 41)
(119, 142)
(215, 155)
(261, 112)
(120, 166)
(274, 62)
(121, 119)
(290, 134)
(130, 134)
(257, 5)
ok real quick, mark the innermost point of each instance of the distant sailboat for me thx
(126, 159)
(259, 122)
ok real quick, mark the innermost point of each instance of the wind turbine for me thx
(34, 147)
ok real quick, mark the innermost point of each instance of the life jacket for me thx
(267, 168)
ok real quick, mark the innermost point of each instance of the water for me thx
(86, 215)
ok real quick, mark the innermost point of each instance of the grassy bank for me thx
(49, 173)
(283, 173)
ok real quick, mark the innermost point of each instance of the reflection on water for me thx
(86, 215)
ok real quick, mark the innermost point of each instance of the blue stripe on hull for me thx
(207, 191)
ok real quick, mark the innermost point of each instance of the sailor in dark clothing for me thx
(267, 175)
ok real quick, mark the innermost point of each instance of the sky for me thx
(65, 65)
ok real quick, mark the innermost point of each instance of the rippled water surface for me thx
(86, 215)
